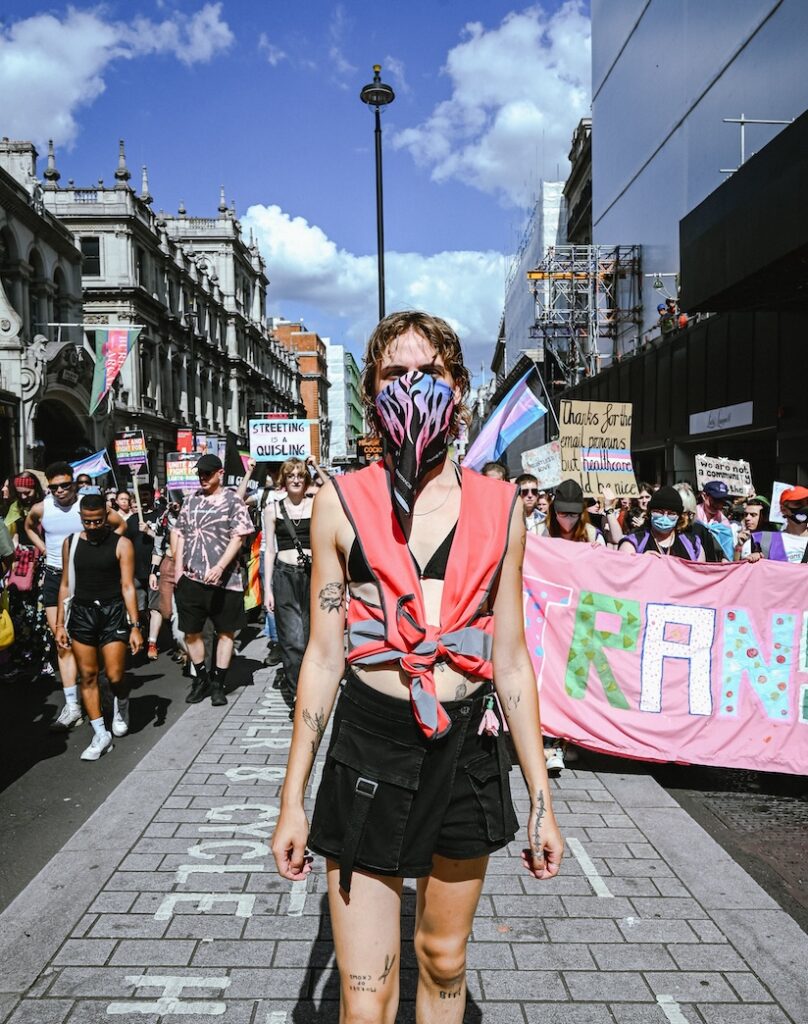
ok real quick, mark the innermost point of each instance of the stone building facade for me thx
(344, 403)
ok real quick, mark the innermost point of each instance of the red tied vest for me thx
(396, 630)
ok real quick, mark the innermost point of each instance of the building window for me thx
(91, 257)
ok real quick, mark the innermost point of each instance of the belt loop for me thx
(360, 809)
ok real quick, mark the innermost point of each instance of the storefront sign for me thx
(725, 418)
(370, 448)
(276, 440)
(664, 660)
(735, 473)
(130, 450)
(544, 463)
(596, 446)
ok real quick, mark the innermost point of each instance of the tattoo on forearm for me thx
(331, 597)
(316, 722)
(540, 812)
(388, 966)
(461, 691)
(512, 702)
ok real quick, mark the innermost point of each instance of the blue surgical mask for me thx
(663, 523)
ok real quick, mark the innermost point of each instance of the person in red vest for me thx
(415, 781)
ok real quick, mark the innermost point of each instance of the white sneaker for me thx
(70, 716)
(100, 745)
(555, 762)
(120, 721)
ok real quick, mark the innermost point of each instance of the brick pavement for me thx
(165, 906)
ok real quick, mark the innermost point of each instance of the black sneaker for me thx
(200, 688)
(273, 654)
(279, 682)
(217, 697)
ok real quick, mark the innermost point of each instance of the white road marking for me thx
(245, 902)
(297, 898)
(316, 775)
(184, 871)
(251, 773)
(170, 1001)
(671, 1009)
(589, 869)
(276, 1017)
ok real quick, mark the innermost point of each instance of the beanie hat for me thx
(666, 498)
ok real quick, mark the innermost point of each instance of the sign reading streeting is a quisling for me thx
(277, 440)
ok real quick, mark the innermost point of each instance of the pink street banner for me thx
(666, 660)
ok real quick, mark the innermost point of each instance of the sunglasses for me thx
(53, 488)
(529, 490)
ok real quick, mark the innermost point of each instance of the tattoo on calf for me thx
(316, 722)
(388, 966)
(332, 597)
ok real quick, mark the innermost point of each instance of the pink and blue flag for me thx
(518, 410)
(94, 465)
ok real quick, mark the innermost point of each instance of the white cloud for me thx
(274, 54)
(518, 91)
(395, 67)
(51, 67)
(306, 266)
(337, 29)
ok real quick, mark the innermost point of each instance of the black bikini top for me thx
(435, 569)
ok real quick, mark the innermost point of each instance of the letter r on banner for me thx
(600, 621)
(677, 631)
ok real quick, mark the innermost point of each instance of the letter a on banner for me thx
(112, 346)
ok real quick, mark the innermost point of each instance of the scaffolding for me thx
(587, 300)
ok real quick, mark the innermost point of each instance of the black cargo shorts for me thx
(390, 798)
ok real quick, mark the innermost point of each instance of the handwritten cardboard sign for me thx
(595, 439)
(544, 463)
(274, 440)
(735, 473)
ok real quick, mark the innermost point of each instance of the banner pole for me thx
(109, 463)
(137, 498)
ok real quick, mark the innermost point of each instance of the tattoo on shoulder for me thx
(331, 597)
(316, 722)
(388, 966)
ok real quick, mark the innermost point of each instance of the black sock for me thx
(218, 675)
(201, 670)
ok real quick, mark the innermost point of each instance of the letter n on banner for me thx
(769, 676)
(683, 632)
(600, 621)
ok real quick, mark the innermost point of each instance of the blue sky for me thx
(263, 98)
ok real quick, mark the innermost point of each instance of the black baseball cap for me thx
(569, 497)
(209, 464)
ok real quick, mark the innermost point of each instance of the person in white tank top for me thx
(47, 525)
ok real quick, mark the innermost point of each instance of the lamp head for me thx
(377, 93)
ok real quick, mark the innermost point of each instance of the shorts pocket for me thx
(388, 768)
(489, 780)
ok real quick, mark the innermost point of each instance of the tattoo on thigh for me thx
(360, 983)
(455, 988)
(388, 966)
(316, 722)
(461, 691)
(331, 597)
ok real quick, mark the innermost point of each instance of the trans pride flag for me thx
(518, 410)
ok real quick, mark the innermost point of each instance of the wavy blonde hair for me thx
(440, 336)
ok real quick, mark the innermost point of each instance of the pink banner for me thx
(666, 660)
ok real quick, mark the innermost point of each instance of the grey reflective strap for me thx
(360, 809)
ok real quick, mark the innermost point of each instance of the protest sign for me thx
(275, 440)
(668, 660)
(185, 440)
(595, 440)
(736, 474)
(775, 515)
(544, 463)
(181, 477)
(130, 450)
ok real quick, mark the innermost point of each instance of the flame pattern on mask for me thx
(415, 412)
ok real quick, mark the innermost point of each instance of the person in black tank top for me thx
(287, 570)
(99, 591)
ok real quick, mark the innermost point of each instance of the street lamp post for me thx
(378, 95)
